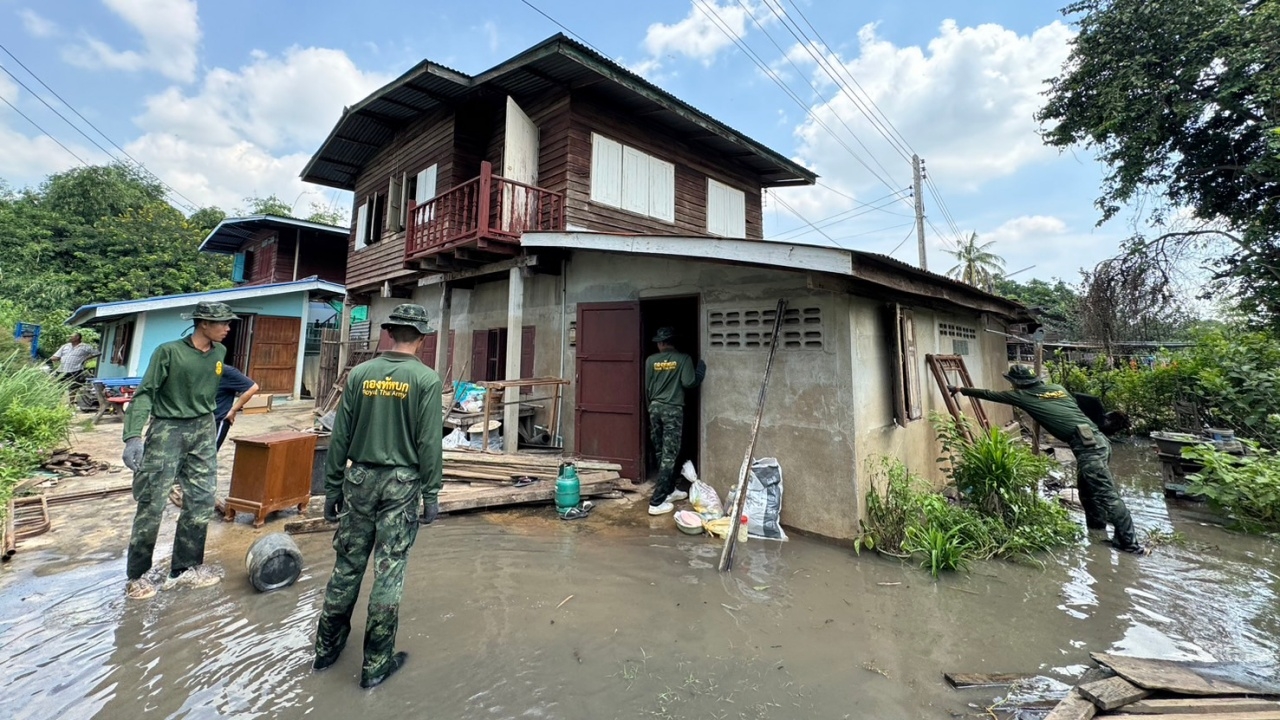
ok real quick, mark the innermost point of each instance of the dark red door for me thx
(607, 416)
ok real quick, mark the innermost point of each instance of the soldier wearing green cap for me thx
(1059, 413)
(178, 395)
(389, 426)
(667, 375)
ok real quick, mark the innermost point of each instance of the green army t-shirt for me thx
(667, 375)
(1051, 406)
(181, 383)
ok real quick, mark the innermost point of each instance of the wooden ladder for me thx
(945, 368)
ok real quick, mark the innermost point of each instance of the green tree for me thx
(269, 205)
(324, 214)
(89, 194)
(1181, 101)
(1056, 304)
(976, 264)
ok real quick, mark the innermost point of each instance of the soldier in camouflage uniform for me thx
(389, 426)
(1058, 412)
(178, 394)
(667, 375)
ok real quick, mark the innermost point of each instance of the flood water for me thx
(519, 615)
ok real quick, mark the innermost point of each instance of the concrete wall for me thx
(829, 411)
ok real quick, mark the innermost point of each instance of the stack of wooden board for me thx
(476, 481)
(479, 467)
(1132, 687)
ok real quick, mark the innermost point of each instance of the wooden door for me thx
(519, 163)
(273, 361)
(607, 385)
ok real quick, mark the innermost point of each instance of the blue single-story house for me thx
(276, 341)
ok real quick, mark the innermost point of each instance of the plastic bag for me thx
(718, 527)
(763, 507)
(702, 496)
(455, 439)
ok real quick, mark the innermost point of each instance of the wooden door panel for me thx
(607, 385)
(273, 358)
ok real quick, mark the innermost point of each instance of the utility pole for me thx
(918, 192)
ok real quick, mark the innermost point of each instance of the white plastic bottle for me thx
(742, 530)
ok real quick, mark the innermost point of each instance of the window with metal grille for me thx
(957, 331)
(750, 329)
(959, 347)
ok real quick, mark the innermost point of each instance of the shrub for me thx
(1247, 488)
(35, 417)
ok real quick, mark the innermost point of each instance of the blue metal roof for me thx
(232, 233)
(90, 313)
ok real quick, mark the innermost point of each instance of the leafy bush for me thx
(35, 417)
(1247, 488)
(999, 513)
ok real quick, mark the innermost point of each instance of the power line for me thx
(44, 132)
(892, 128)
(904, 240)
(802, 218)
(841, 217)
(562, 27)
(751, 54)
(191, 205)
(787, 56)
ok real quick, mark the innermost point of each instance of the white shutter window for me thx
(362, 224)
(395, 203)
(726, 210)
(426, 189)
(635, 181)
(662, 190)
(606, 170)
(736, 219)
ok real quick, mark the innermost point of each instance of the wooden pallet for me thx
(951, 370)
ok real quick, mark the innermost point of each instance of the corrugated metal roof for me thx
(232, 233)
(557, 63)
(91, 313)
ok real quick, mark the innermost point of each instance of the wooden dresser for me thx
(271, 472)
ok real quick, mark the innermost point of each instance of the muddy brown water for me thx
(798, 630)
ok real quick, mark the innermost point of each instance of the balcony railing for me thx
(488, 212)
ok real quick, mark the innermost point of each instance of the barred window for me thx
(957, 331)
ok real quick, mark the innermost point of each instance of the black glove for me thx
(953, 389)
(429, 513)
(700, 371)
(332, 506)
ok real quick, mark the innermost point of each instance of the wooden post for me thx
(344, 336)
(444, 360)
(482, 201)
(1035, 426)
(515, 327)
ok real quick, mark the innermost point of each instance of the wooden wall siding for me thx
(424, 142)
(693, 167)
(286, 248)
(263, 247)
(323, 256)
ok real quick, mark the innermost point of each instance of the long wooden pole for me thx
(1035, 426)
(740, 499)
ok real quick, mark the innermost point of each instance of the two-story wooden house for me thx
(562, 195)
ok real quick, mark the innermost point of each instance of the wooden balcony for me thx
(488, 213)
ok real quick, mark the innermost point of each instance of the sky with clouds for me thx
(227, 100)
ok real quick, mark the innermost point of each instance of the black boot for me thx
(322, 662)
(397, 662)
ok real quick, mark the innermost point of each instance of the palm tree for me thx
(976, 265)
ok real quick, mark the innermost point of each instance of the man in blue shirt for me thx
(233, 383)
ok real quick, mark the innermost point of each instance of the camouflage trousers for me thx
(380, 515)
(182, 452)
(666, 428)
(1098, 492)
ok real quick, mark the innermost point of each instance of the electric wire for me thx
(44, 132)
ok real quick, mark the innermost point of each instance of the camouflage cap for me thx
(408, 315)
(1021, 375)
(665, 335)
(212, 311)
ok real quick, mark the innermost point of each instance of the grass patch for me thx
(999, 512)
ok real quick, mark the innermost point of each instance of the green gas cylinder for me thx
(568, 489)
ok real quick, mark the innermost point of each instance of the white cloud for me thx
(1025, 230)
(967, 104)
(170, 31)
(708, 29)
(250, 131)
(37, 25)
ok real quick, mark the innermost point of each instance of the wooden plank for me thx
(1265, 715)
(456, 500)
(1094, 674)
(1073, 707)
(1199, 706)
(1181, 678)
(964, 680)
(1112, 693)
